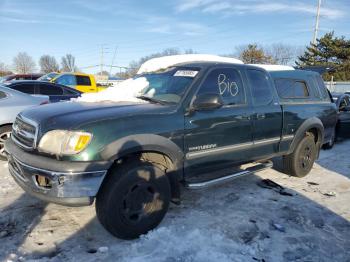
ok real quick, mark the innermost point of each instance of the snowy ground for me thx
(239, 221)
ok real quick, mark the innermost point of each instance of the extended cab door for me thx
(267, 117)
(221, 137)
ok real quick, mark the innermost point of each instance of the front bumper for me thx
(69, 183)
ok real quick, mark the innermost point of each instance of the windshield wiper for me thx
(151, 99)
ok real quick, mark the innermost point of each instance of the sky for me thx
(130, 29)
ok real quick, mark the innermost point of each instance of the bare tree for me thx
(23, 63)
(68, 63)
(283, 54)
(48, 64)
(4, 69)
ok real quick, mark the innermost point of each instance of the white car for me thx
(13, 102)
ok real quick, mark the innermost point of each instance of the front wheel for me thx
(301, 161)
(133, 200)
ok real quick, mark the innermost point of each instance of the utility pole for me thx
(115, 52)
(317, 22)
(101, 64)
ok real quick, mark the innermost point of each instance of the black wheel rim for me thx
(141, 201)
(306, 157)
(3, 137)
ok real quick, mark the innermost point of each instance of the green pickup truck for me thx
(195, 125)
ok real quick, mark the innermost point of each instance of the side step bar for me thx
(220, 180)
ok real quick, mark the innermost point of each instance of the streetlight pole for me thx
(317, 22)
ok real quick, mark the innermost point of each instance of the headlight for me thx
(62, 142)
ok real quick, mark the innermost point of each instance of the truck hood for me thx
(72, 115)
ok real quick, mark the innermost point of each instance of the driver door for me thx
(222, 137)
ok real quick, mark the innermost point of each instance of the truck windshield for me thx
(168, 86)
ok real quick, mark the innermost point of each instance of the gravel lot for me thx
(240, 221)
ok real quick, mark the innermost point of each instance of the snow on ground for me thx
(163, 62)
(238, 221)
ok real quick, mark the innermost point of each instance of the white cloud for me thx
(227, 7)
(169, 25)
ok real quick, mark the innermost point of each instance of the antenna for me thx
(317, 22)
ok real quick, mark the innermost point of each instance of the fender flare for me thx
(308, 124)
(145, 142)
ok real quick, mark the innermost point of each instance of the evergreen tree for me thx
(329, 51)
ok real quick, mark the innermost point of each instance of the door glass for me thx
(67, 80)
(50, 90)
(83, 81)
(261, 89)
(27, 88)
(226, 82)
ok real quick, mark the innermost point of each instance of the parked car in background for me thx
(48, 77)
(20, 77)
(343, 104)
(83, 82)
(55, 92)
(12, 103)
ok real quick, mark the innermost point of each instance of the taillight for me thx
(44, 103)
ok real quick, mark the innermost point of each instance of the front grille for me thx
(24, 133)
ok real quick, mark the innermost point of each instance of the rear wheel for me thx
(301, 161)
(133, 200)
(5, 133)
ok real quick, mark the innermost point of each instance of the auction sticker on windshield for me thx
(188, 73)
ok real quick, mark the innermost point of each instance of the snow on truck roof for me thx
(163, 62)
(129, 89)
(274, 67)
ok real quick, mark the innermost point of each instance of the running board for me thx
(253, 169)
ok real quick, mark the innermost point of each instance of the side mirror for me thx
(207, 102)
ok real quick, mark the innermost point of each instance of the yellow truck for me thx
(85, 83)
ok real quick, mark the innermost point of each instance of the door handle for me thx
(242, 117)
(260, 116)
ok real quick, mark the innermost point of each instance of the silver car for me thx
(13, 102)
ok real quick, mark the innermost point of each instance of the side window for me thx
(226, 82)
(27, 88)
(2, 95)
(47, 89)
(289, 88)
(261, 89)
(284, 87)
(83, 81)
(67, 80)
(347, 99)
(322, 88)
(300, 89)
(342, 104)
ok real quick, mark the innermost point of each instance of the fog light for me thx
(43, 181)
